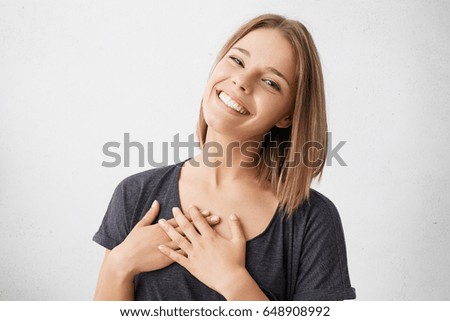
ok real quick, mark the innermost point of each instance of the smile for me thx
(228, 101)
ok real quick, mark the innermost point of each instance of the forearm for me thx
(243, 288)
(113, 284)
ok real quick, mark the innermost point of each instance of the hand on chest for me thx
(255, 212)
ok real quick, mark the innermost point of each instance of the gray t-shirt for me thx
(302, 258)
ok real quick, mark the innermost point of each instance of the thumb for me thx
(150, 216)
(237, 232)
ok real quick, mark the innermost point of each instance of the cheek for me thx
(218, 75)
(271, 104)
(271, 109)
(222, 70)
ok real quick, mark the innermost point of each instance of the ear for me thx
(285, 122)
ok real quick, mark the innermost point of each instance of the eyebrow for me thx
(271, 69)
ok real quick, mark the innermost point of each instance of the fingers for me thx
(237, 232)
(181, 252)
(150, 216)
(177, 256)
(175, 236)
(200, 223)
(152, 213)
(205, 213)
(186, 226)
(174, 246)
(212, 220)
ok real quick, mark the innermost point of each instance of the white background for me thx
(75, 75)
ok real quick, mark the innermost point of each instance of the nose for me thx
(242, 81)
(239, 84)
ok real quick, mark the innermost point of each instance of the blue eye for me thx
(272, 84)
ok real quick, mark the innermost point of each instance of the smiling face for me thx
(251, 88)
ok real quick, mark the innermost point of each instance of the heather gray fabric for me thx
(303, 258)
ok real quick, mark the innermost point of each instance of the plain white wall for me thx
(77, 74)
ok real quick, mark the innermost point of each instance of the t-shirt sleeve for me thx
(323, 273)
(115, 225)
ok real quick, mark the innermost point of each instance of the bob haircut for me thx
(298, 151)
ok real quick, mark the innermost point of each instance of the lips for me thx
(232, 103)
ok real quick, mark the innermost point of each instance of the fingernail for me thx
(154, 203)
(205, 212)
(215, 219)
(162, 222)
(233, 217)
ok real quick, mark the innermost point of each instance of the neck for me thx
(224, 161)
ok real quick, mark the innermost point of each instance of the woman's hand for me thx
(139, 251)
(217, 262)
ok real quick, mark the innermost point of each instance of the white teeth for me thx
(232, 104)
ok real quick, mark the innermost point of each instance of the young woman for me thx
(263, 234)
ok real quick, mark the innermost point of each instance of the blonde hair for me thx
(308, 129)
